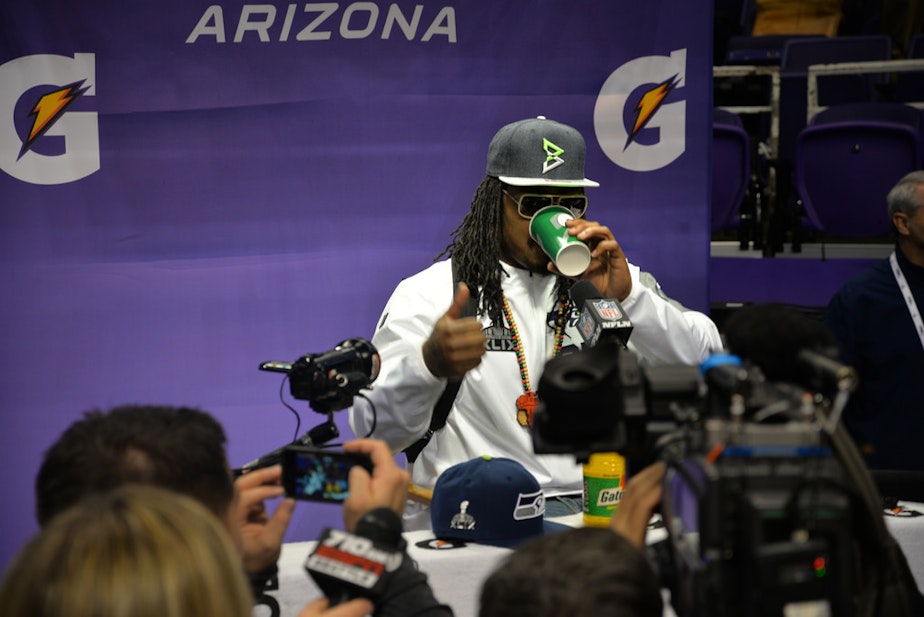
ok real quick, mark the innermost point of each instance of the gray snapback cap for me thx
(537, 152)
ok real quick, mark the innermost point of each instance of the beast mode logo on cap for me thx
(488, 501)
(538, 152)
(552, 156)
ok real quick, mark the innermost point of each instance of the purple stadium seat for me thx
(731, 169)
(798, 55)
(846, 161)
(761, 50)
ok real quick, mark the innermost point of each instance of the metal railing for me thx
(773, 105)
(852, 68)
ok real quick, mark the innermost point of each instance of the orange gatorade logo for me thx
(36, 94)
(649, 105)
(638, 100)
(49, 109)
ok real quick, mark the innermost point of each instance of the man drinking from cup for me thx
(509, 312)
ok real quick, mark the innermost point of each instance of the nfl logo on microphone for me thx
(607, 309)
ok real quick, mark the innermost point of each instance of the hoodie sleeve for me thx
(664, 331)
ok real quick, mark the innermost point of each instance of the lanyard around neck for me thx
(909, 298)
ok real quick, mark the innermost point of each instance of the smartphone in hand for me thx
(317, 474)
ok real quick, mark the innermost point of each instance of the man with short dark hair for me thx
(174, 447)
(178, 448)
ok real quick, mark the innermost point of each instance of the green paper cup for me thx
(547, 227)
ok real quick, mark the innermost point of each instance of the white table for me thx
(909, 533)
(456, 575)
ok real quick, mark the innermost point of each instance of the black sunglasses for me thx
(530, 203)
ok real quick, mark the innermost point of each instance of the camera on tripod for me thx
(330, 380)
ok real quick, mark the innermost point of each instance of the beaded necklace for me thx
(527, 402)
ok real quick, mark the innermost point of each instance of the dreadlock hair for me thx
(475, 250)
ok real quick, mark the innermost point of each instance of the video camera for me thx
(765, 500)
(330, 380)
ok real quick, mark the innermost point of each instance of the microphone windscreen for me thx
(582, 291)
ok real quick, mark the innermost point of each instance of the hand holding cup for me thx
(569, 254)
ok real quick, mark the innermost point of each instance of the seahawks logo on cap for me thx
(552, 156)
(529, 505)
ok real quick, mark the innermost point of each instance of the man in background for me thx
(876, 318)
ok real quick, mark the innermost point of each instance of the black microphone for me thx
(601, 318)
(317, 436)
(825, 373)
(358, 565)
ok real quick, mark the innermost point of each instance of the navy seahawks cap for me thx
(538, 152)
(489, 500)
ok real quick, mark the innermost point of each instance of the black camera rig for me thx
(768, 506)
(328, 381)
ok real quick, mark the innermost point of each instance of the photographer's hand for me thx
(641, 497)
(261, 534)
(455, 345)
(385, 487)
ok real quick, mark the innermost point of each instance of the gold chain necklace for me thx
(526, 402)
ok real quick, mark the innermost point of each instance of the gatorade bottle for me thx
(604, 481)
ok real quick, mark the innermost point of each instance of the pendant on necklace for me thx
(526, 406)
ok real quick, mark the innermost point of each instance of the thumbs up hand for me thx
(456, 344)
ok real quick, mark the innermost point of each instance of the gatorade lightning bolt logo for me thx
(552, 156)
(649, 104)
(49, 108)
(640, 117)
(36, 107)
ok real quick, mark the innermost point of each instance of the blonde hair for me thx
(138, 551)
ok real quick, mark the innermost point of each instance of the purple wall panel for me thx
(260, 200)
(801, 281)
